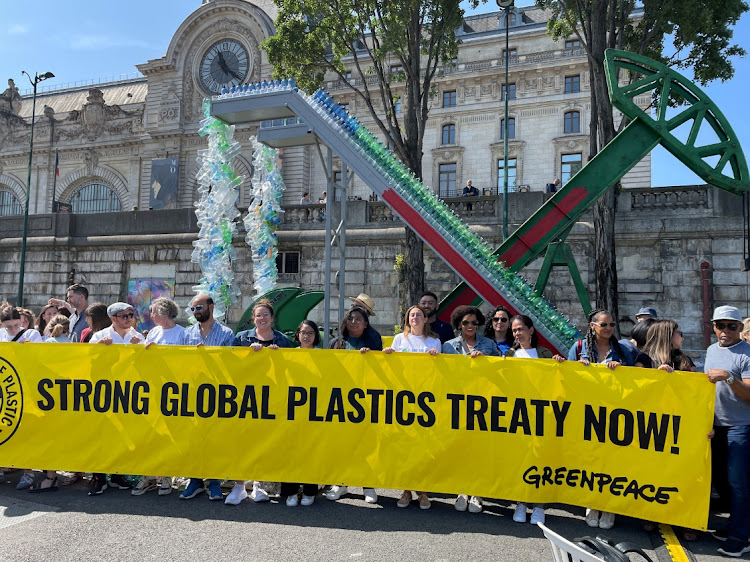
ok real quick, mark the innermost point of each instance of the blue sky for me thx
(82, 40)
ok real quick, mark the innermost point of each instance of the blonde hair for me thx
(426, 332)
(659, 341)
(58, 325)
(745, 334)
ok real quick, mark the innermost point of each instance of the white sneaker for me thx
(237, 494)
(371, 496)
(336, 492)
(519, 515)
(461, 502)
(307, 500)
(607, 520)
(592, 517)
(292, 501)
(475, 504)
(259, 494)
(537, 516)
(145, 484)
(166, 486)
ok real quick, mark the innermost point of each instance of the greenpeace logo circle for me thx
(11, 400)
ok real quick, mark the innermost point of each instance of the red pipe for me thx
(706, 298)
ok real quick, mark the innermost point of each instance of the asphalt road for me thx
(67, 525)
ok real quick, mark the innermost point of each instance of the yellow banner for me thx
(629, 441)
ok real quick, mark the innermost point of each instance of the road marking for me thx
(14, 511)
(674, 547)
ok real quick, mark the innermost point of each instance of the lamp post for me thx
(507, 5)
(34, 82)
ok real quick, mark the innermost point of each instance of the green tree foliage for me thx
(686, 34)
(387, 53)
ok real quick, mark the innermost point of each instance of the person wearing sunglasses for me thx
(355, 333)
(206, 331)
(121, 331)
(467, 320)
(663, 348)
(728, 368)
(308, 337)
(498, 329)
(600, 346)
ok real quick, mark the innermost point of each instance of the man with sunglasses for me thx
(121, 331)
(728, 368)
(206, 331)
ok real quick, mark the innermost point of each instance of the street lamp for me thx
(507, 5)
(37, 78)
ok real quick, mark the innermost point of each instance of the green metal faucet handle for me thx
(730, 170)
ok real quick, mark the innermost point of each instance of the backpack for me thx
(609, 551)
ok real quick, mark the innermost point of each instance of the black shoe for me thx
(118, 481)
(720, 535)
(98, 484)
(734, 548)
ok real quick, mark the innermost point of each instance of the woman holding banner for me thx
(498, 329)
(263, 335)
(308, 337)
(526, 346)
(466, 320)
(600, 346)
(355, 333)
(417, 337)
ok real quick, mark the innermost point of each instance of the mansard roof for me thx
(123, 93)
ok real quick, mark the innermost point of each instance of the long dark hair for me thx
(529, 324)
(313, 326)
(489, 330)
(591, 338)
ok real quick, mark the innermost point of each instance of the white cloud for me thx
(94, 42)
(17, 29)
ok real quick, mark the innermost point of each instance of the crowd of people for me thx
(654, 343)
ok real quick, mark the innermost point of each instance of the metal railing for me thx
(111, 79)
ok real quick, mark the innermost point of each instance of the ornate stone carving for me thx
(91, 158)
(10, 99)
(97, 118)
(169, 109)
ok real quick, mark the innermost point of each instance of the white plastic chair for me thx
(565, 551)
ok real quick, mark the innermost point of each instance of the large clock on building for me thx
(226, 63)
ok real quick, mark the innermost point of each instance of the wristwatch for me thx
(730, 379)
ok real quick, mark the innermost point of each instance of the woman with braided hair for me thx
(600, 346)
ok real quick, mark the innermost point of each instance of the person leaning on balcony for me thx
(470, 190)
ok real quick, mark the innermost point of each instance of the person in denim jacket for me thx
(467, 320)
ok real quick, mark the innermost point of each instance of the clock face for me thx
(225, 64)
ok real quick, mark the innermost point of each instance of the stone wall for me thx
(663, 235)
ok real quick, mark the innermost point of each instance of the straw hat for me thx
(365, 301)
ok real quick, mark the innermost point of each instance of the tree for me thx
(700, 34)
(388, 54)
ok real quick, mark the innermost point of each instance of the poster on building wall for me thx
(141, 292)
(164, 179)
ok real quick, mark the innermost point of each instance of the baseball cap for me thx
(647, 310)
(118, 307)
(727, 313)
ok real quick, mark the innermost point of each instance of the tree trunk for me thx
(414, 274)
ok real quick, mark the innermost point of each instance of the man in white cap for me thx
(121, 332)
(728, 368)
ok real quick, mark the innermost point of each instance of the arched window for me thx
(95, 197)
(572, 122)
(9, 205)
(449, 134)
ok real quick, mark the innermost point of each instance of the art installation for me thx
(216, 210)
(264, 216)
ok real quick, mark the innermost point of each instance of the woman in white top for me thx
(417, 337)
(10, 318)
(526, 345)
(164, 312)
